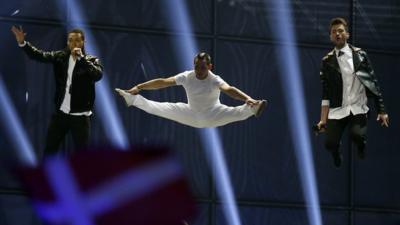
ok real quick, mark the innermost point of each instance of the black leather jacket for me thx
(87, 71)
(332, 84)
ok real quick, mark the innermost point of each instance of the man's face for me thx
(75, 40)
(201, 67)
(339, 35)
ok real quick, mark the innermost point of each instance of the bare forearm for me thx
(237, 94)
(324, 113)
(153, 84)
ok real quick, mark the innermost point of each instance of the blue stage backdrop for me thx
(136, 44)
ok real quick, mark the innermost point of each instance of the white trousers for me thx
(215, 116)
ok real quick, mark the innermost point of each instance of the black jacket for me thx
(332, 83)
(87, 71)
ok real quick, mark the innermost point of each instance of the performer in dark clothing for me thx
(347, 80)
(75, 75)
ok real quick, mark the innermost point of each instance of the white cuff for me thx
(325, 103)
(22, 45)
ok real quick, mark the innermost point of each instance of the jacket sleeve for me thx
(324, 82)
(37, 54)
(94, 67)
(378, 97)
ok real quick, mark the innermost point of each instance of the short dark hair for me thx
(202, 56)
(77, 31)
(337, 21)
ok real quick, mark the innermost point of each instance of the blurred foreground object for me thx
(142, 186)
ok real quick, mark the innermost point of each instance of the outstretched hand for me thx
(251, 102)
(19, 34)
(383, 118)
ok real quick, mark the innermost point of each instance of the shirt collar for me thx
(346, 50)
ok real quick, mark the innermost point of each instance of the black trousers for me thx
(357, 129)
(60, 125)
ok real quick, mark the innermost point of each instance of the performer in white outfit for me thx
(202, 89)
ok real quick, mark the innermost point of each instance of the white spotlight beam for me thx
(187, 49)
(282, 23)
(104, 102)
(14, 128)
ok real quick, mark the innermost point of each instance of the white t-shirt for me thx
(201, 94)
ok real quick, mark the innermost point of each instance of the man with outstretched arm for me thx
(203, 88)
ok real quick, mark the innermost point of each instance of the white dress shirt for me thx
(354, 95)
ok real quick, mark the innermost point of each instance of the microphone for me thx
(78, 53)
(317, 130)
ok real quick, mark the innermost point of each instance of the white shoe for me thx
(259, 108)
(128, 98)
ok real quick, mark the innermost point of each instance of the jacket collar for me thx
(332, 59)
(346, 50)
(356, 57)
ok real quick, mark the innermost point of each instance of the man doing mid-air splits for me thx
(203, 88)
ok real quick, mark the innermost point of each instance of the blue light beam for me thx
(15, 131)
(281, 21)
(187, 49)
(214, 151)
(180, 22)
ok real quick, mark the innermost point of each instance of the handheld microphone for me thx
(317, 130)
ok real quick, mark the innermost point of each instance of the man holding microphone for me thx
(75, 74)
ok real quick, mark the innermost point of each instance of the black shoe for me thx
(337, 158)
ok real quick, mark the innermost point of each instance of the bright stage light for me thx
(14, 129)
(212, 145)
(282, 24)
